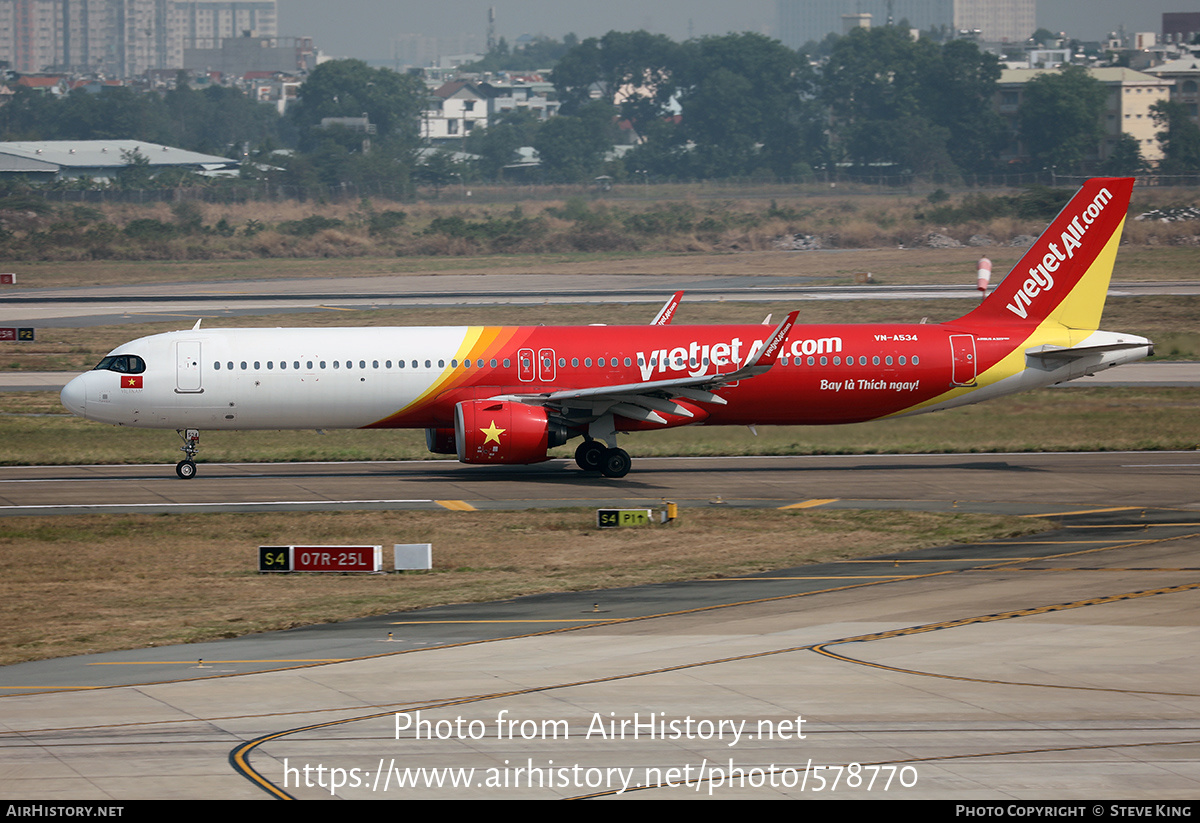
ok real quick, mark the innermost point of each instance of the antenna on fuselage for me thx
(196, 327)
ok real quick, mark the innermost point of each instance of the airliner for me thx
(508, 394)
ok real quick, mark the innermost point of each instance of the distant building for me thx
(1184, 75)
(123, 38)
(534, 96)
(48, 160)
(1011, 21)
(1180, 27)
(1130, 96)
(454, 110)
(238, 56)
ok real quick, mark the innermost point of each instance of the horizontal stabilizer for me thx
(1050, 352)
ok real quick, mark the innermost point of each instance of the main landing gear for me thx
(594, 456)
(186, 468)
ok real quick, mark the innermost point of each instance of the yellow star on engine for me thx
(493, 433)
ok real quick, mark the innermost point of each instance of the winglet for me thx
(765, 357)
(667, 312)
(769, 353)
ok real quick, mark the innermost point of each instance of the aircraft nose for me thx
(74, 395)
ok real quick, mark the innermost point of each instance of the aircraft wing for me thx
(642, 401)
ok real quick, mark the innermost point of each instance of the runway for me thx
(104, 305)
(1008, 483)
(1049, 667)
(1046, 668)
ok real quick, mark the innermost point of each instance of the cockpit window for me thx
(122, 364)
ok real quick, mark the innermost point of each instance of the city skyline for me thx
(371, 29)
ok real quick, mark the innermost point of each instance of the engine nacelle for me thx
(501, 431)
(441, 441)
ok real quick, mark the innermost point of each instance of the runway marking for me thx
(822, 648)
(456, 505)
(1145, 525)
(936, 758)
(238, 757)
(818, 577)
(809, 504)
(1085, 511)
(90, 506)
(531, 620)
(192, 662)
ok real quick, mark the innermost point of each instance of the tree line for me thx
(734, 105)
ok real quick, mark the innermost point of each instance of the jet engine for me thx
(501, 431)
(440, 441)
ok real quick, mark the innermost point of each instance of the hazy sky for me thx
(367, 28)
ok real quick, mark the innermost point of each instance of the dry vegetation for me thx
(696, 222)
(126, 581)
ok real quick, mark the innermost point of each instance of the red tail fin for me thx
(1064, 275)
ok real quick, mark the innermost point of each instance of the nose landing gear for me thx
(186, 468)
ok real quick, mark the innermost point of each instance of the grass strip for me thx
(79, 584)
(36, 430)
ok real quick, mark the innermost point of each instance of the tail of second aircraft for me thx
(1063, 278)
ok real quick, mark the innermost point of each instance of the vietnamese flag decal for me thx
(133, 381)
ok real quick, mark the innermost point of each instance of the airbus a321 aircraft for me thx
(506, 394)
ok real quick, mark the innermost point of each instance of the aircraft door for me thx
(187, 367)
(546, 365)
(525, 369)
(964, 367)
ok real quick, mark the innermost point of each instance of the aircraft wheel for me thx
(616, 463)
(186, 469)
(590, 455)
